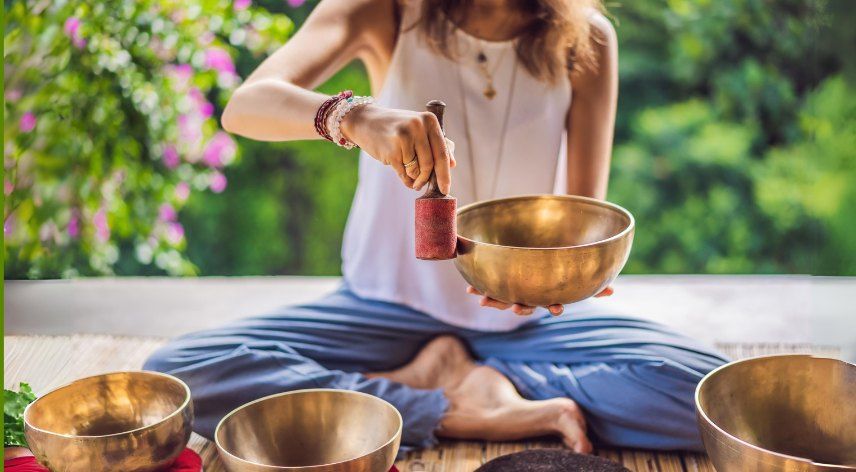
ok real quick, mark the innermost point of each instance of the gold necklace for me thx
(502, 132)
(482, 61)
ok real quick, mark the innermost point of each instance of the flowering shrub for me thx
(111, 124)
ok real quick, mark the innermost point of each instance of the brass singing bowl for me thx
(542, 249)
(319, 430)
(128, 421)
(794, 413)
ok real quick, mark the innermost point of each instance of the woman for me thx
(406, 330)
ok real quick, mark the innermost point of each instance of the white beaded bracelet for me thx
(334, 120)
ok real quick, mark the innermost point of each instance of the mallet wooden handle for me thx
(436, 107)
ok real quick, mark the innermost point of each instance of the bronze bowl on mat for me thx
(128, 421)
(319, 430)
(779, 413)
(542, 249)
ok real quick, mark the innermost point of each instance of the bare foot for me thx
(483, 403)
(442, 363)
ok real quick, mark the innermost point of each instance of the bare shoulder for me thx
(602, 31)
(605, 60)
(356, 13)
(367, 22)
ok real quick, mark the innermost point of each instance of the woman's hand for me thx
(525, 310)
(397, 137)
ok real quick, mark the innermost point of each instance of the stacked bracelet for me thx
(334, 120)
(322, 115)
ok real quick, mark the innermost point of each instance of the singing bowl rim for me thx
(705, 421)
(178, 411)
(631, 225)
(391, 440)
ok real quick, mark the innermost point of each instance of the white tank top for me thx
(378, 249)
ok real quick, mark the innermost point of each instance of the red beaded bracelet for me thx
(324, 111)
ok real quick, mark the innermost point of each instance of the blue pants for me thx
(634, 379)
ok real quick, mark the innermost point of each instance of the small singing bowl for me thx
(542, 250)
(128, 421)
(791, 413)
(319, 430)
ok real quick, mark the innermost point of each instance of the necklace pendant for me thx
(489, 92)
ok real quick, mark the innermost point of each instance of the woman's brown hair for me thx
(554, 42)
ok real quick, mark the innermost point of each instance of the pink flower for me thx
(13, 95)
(28, 122)
(167, 213)
(206, 109)
(182, 73)
(170, 157)
(174, 232)
(206, 38)
(182, 191)
(74, 226)
(242, 4)
(189, 129)
(72, 30)
(219, 60)
(219, 150)
(8, 188)
(218, 182)
(102, 228)
(296, 3)
(72, 25)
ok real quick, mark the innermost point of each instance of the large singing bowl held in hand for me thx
(319, 430)
(779, 413)
(128, 421)
(542, 250)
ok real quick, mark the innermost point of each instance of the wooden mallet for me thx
(436, 222)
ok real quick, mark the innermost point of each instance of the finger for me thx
(441, 154)
(472, 290)
(426, 159)
(556, 310)
(605, 292)
(450, 146)
(491, 303)
(411, 167)
(398, 164)
(522, 310)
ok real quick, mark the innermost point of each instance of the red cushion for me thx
(187, 461)
(23, 464)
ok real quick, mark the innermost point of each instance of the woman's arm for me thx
(591, 120)
(276, 102)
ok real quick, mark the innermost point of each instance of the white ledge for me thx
(791, 309)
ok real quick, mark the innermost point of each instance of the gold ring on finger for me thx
(411, 163)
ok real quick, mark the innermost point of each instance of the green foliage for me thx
(14, 404)
(285, 211)
(109, 126)
(737, 162)
(808, 186)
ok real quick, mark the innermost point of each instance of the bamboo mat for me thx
(46, 362)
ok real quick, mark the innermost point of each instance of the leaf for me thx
(14, 404)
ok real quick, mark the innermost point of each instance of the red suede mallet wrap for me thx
(436, 220)
(436, 231)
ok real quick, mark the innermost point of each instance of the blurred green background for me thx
(735, 149)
